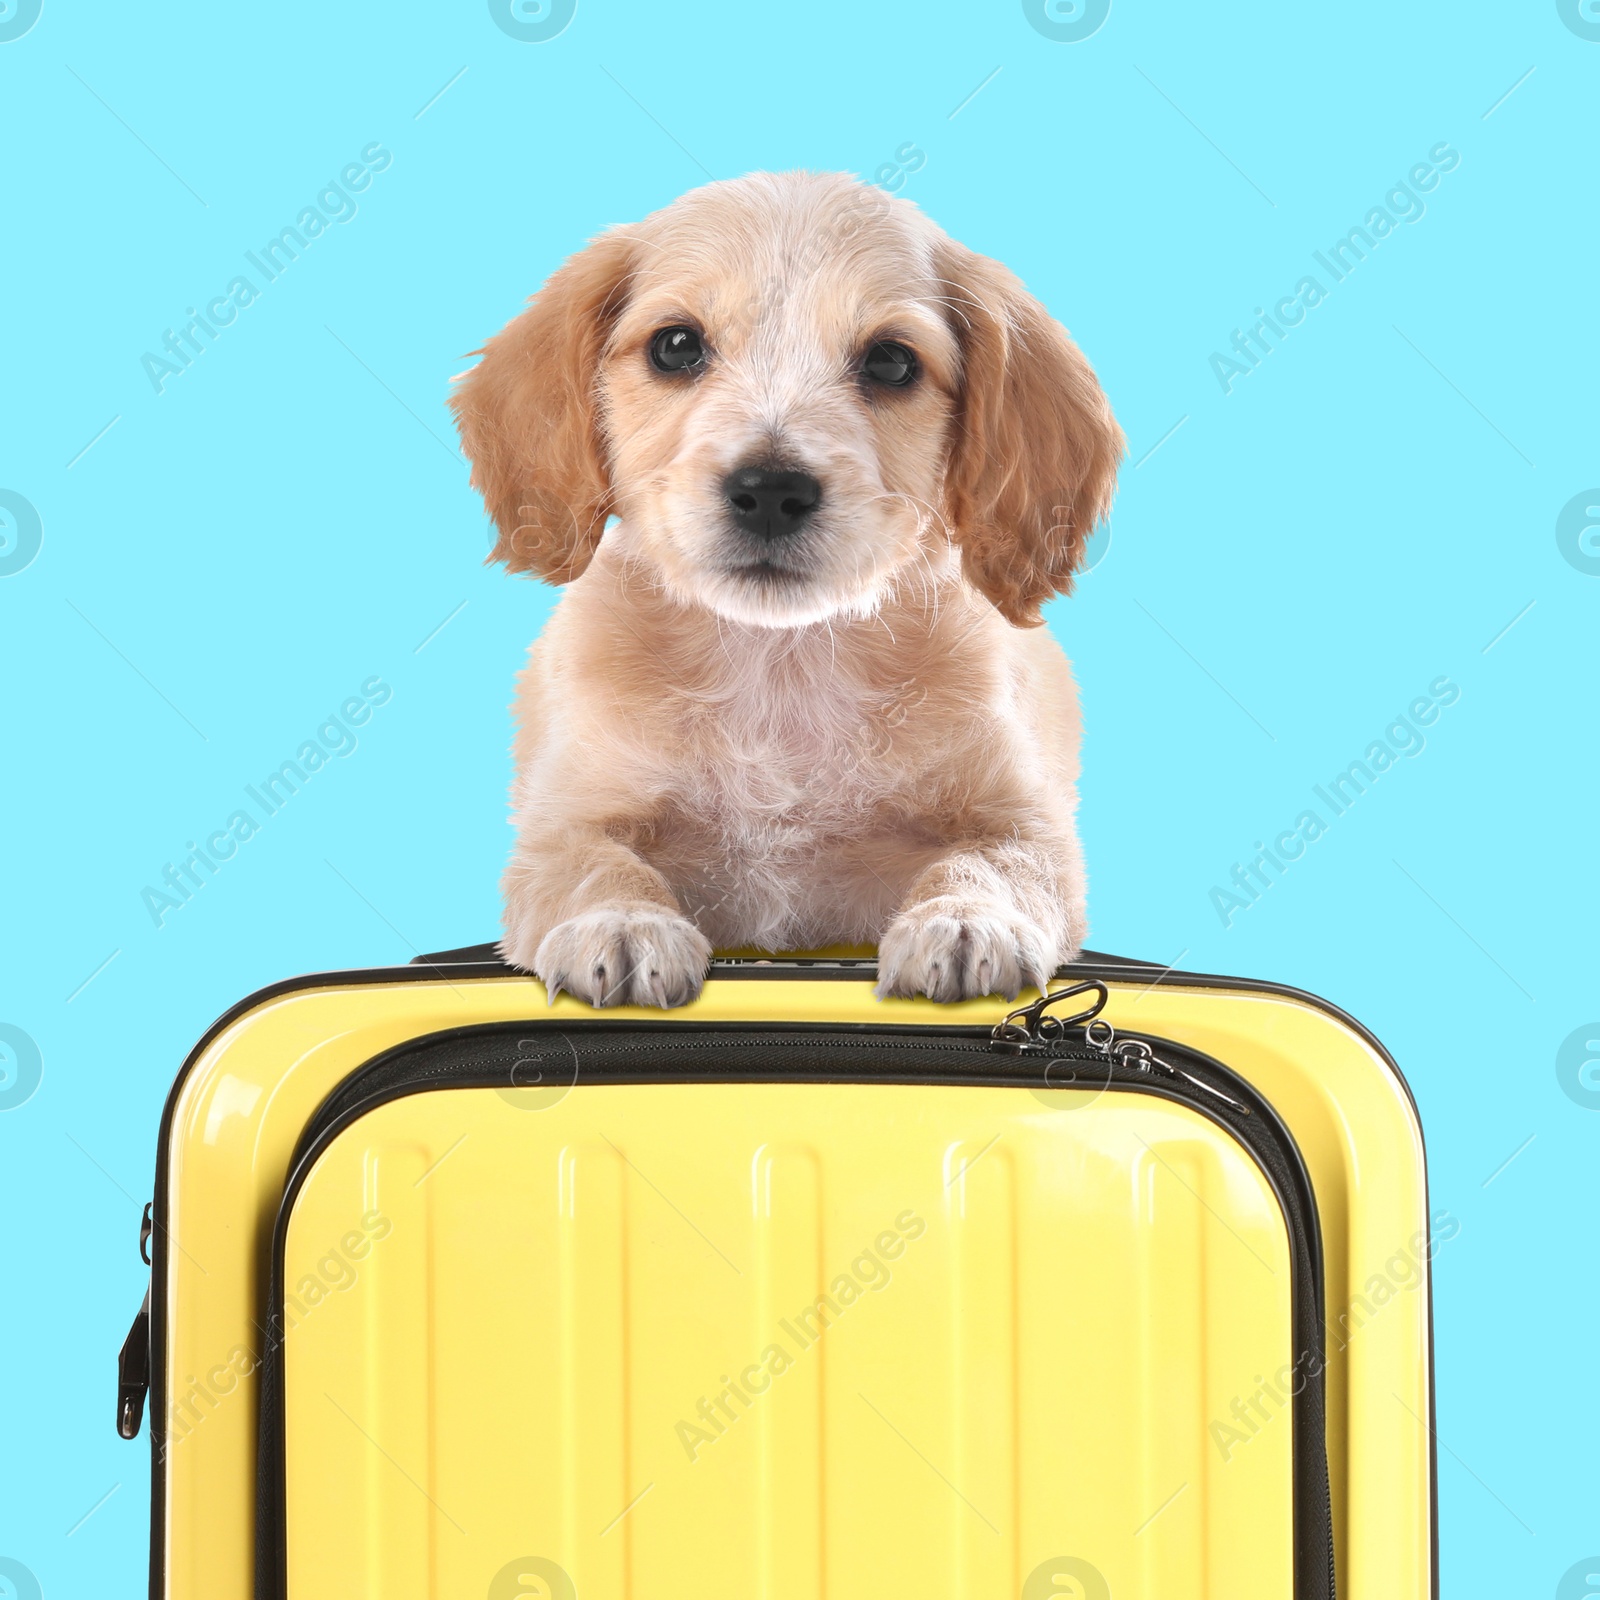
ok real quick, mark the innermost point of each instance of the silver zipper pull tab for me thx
(1134, 1054)
(1137, 1056)
(1101, 1036)
(1033, 1030)
(1210, 1089)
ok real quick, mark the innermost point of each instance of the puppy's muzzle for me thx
(766, 504)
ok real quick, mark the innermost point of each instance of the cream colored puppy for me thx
(795, 692)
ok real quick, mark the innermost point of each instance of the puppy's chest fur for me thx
(774, 785)
(776, 768)
(779, 766)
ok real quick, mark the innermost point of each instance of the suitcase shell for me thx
(518, 1371)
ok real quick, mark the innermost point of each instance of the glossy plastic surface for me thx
(784, 1340)
(259, 1081)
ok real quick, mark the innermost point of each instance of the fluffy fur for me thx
(866, 738)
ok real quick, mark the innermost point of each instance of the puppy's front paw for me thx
(950, 949)
(639, 956)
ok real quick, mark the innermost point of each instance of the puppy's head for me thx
(795, 393)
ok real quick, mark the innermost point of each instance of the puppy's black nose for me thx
(770, 504)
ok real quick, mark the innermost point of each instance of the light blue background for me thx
(1368, 510)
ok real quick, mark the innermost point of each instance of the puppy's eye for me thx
(889, 363)
(677, 350)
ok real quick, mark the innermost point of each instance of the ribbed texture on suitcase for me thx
(1081, 1314)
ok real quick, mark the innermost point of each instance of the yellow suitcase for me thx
(790, 1293)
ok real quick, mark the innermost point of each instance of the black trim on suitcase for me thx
(483, 961)
(487, 1056)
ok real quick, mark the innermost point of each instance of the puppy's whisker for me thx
(919, 577)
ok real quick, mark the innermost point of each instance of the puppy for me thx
(807, 468)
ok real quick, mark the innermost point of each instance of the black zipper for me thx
(1033, 1048)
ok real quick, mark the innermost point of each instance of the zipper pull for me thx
(1137, 1056)
(133, 1373)
(1211, 1089)
(1031, 1030)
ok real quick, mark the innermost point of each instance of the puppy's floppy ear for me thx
(1034, 454)
(530, 421)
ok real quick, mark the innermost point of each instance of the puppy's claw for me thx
(951, 950)
(635, 955)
